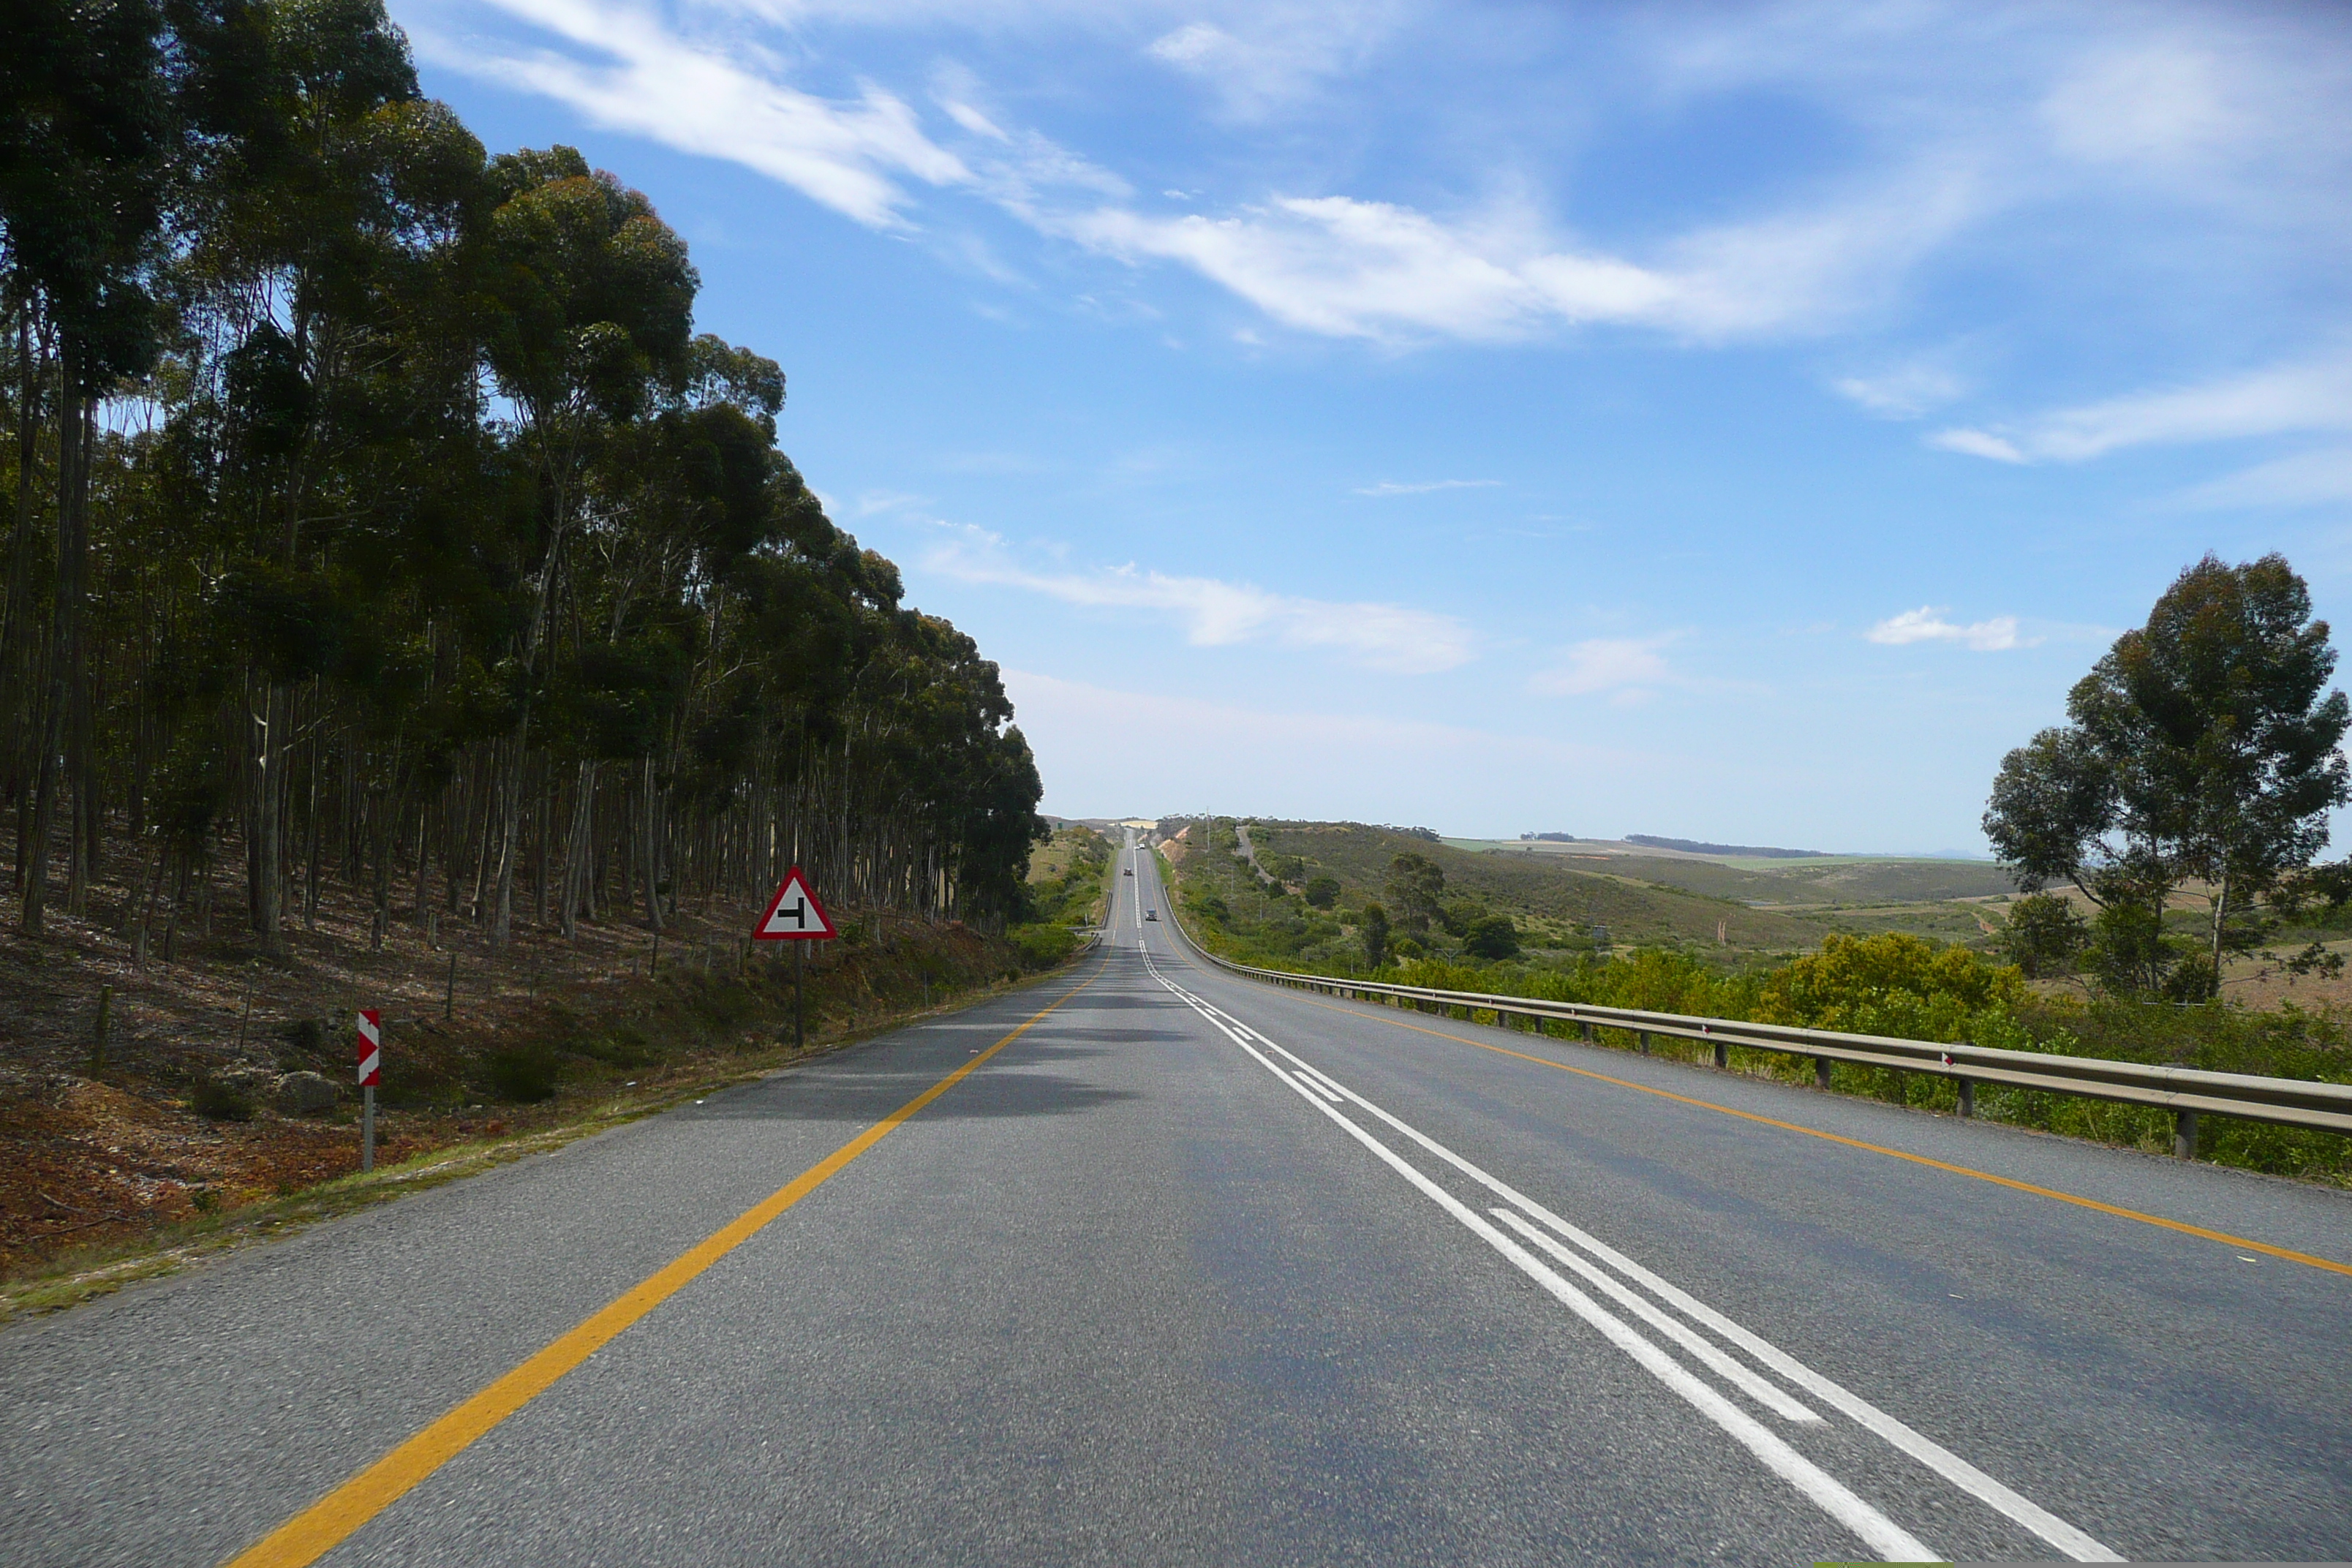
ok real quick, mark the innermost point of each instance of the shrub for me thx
(1851, 978)
(1492, 937)
(220, 1102)
(2044, 936)
(1043, 946)
(1322, 892)
(524, 1073)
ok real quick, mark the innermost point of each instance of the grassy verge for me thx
(2214, 1036)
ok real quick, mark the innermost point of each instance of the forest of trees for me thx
(379, 518)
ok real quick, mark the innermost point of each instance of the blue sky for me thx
(1740, 423)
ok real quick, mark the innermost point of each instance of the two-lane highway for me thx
(1184, 1268)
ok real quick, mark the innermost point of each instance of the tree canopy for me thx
(2203, 746)
(379, 514)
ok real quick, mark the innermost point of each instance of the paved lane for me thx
(1132, 1292)
(2168, 1397)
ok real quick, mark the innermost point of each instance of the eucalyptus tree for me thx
(2203, 746)
(595, 301)
(85, 149)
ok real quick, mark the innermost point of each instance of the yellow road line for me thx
(316, 1529)
(2185, 1229)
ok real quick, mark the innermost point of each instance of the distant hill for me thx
(1692, 846)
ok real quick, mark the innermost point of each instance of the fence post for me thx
(2184, 1134)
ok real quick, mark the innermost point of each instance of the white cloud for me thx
(2306, 478)
(2285, 399)
(1194, 46)
(1346, 267)
(1604, 664)
(1905, 392)
(1390, 487)
(1391, 638)
(1927, 624)
(2155, 103)
(1977, 444)
(1272, 56)
(845, 155)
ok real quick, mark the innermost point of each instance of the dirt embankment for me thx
(194, 1106)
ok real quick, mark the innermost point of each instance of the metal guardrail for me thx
(2185, 1091)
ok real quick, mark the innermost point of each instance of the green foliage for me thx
(1373, 930)
(2203, 746)
(1415, 885)
(1859, 984)
(524, 1074)
(2046, 935)
(1491, 937)
(1043, 946)
(1321, 892)
(602, 600)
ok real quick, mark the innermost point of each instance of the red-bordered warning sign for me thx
(794, 915)
(371, 1048)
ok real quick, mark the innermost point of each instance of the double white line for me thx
(1524, 1228)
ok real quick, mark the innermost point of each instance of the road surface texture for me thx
(1196, 1270)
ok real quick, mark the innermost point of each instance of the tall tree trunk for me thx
(66, 633)
(16, 629)
(268, 859)
(576, 849)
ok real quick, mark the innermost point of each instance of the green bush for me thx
(1491, 937)
(1043, 946)
(524, 1074)
(219, 1101)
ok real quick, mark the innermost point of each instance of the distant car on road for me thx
(1129, 872)
(1151, 914)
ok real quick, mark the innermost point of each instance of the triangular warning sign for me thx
(794, 914)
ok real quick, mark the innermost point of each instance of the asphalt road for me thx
(1195, 1270)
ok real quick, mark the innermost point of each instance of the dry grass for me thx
(102, 1160)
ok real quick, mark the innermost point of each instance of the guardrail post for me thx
(1645, 1042)
(2184, 1134)
(1820, 1072)
(1968, 1096)
(1588, 1030)
(1722, 1054)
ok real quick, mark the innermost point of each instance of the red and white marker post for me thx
(795, 916)
(371, 1053)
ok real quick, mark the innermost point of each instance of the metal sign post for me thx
(371, 1055)
(795, 916)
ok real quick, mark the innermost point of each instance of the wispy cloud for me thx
(1905, 392)
(1619, 665)
(1390, 488)
(1213, 613)
(636, 74)
(1341, 266)
(2306, 478)
(1927, 624)
(1978, 444)
(2285, 399)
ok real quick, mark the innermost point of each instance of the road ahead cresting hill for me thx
(1151, 1265)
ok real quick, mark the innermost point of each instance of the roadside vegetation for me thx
(108, 1172)
(1068, 890)
(2183, 806)
(403, 605)
(1892, 982)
